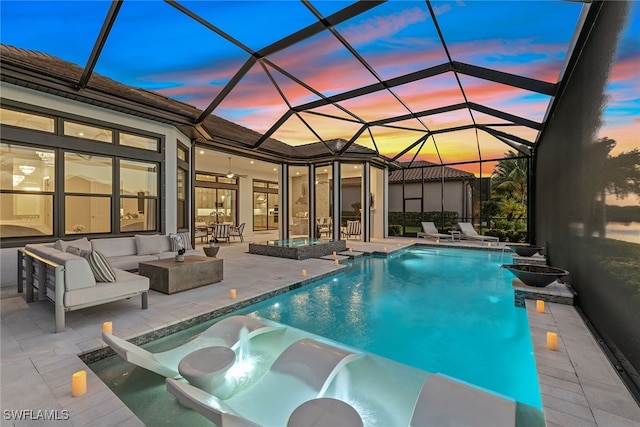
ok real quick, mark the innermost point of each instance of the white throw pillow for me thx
(148, 244)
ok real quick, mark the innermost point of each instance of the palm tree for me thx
(510, 177)
(509, 182)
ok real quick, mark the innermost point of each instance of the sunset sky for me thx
(155, 46)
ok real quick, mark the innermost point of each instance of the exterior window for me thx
(181, 207)
(138, 195)
(62, 191)
(299, 201)
(26, 191)
(137, 141)
(26, 120)
(225, 180)
(265, 205)
(88, 193)
(206, 178)
(216, 205)
(93, 133)
(216, 199)
(182, 154)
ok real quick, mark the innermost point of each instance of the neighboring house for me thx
(428, 186)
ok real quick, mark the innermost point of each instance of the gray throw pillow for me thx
(82, 243)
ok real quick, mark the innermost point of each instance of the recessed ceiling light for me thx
(201, 151)
(251, 162)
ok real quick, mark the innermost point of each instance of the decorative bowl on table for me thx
(525, 250)
(538, 276)
(211, 251)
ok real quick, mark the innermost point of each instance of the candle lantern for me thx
(552, 341)
(107, 327)
(79, 383)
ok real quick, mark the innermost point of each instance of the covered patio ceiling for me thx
(445, 82)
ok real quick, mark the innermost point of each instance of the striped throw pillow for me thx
(102, 270)
(180, 239)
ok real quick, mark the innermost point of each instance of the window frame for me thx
(58, 142)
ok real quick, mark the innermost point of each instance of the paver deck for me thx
(579, 386)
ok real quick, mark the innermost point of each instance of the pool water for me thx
(448, 311)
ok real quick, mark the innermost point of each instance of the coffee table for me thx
(170, 276)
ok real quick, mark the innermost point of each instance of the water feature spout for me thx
(243, 344)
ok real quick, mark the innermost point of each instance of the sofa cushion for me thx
(77, 273)
(149, 244)
(102, 270)
(83, 243)
(130, 262)
(165, 244)
(126, 283)
(115, 246)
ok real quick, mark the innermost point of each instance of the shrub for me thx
(395, 230)
(444, 221)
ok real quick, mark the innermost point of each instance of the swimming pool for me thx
(441, 310)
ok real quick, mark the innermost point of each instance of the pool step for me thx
(353, 254)
(339, 258)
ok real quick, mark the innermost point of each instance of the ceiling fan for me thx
(233, 175)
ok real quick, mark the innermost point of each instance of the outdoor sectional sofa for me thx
(58, 272)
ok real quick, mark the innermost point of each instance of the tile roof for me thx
(432, 172)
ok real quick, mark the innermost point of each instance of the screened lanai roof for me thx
(441, 82)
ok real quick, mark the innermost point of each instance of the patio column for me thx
(366, 201)
(312, 202)
(337, 200)
(283, 197)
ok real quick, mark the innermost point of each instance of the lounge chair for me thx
(468, 232)
(302, 372)
(237, 231)
(444, 401)
(429, 230)
(202, 230)
(226, 332)
(221, 232)
(325, 226)
(353, 228)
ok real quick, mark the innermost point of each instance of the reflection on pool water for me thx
(441, 310)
